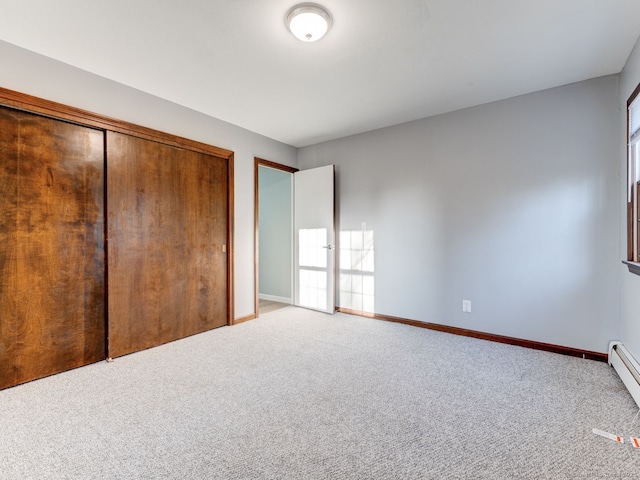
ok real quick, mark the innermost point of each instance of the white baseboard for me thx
(274, 298)
(627, 367)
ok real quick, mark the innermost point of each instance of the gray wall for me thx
(276, 233)
(630, 295)
(27, 72)
(513, 205)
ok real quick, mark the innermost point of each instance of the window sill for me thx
(634, 267)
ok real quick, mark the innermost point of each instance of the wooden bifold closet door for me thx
(167, 226)
(52, 305)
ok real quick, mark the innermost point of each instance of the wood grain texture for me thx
(42, 106)
(167, 220)
(633, 248)
(636, 225)
(52, 313)
(230, 239)
(246, 318)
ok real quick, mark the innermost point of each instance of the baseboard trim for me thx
(547, 347)
(246, 318)
(274, 298)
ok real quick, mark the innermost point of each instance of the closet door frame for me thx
(29, 103)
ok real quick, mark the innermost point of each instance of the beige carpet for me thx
(302, 395)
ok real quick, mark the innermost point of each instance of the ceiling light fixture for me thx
(308, 21)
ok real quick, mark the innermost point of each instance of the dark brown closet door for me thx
(167, 224)
(52, 315)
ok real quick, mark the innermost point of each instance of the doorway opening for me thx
(294, 236)
(273, 275)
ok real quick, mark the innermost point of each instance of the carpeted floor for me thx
(297, 394)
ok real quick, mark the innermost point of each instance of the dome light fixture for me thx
(308, 21)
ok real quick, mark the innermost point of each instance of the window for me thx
(633, 176)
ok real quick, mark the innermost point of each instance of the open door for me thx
(314, 238)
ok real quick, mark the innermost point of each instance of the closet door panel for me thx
(167, 223)
(52, 256)
(8, 247)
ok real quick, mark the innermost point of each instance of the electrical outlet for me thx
(466, 306)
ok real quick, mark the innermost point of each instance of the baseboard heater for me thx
(627, 368)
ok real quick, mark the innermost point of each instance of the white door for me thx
(314, 235)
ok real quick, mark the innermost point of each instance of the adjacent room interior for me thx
(484, 165)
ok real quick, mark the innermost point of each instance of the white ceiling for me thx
(383, 62)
